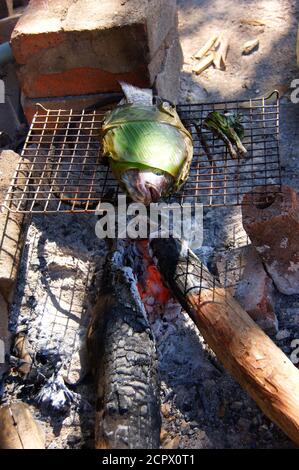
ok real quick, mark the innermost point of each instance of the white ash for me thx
(55, 397)
(52, 303)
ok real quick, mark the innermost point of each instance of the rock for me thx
(11, 233)
(283, 334)
(168, 80)
(255, 292)
(273, 228)
(11, 244)
(88, 46)
(242, 273)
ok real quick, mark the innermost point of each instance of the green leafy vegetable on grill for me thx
(227, 127)
(148, 148)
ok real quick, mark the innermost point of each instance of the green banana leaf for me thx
(147, 137)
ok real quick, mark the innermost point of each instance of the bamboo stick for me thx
(204, 63)
(206, 47)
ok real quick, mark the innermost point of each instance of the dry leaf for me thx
(204, 63)
(252, 22)
(206, 48)
(249, 46)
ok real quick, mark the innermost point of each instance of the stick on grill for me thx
(260, 367)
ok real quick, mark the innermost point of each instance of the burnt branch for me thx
(124, 362)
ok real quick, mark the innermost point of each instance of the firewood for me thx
(204, 63)
(18, 429)
(245, 350)
(206, 47)
(220, 55)
(124, 363)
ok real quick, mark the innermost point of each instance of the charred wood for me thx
(123, 359)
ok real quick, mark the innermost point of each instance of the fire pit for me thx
(65, 174)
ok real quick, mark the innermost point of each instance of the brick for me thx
(86, 47)
(79, 81)
(273, 229)
(77, 103)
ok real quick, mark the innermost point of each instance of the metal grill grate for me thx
(61, 169)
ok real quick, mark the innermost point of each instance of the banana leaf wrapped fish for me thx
(148, 148)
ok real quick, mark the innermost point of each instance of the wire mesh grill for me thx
(61, 168)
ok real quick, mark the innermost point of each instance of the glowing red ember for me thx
(152, 285)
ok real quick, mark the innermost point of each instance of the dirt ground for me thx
(201, 405)
(272, 66)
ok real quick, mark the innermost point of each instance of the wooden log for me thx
(18, 429)
(124, 362)
(245, 350)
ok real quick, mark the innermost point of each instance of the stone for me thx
(283, 334)
(168, 80)
(273, 228)
(11, 229)
(242, 273)
(255, 292)
(88, 46)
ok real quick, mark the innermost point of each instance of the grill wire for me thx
(61, 168)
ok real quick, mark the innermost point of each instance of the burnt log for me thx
(260, 367)
(124, 362)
